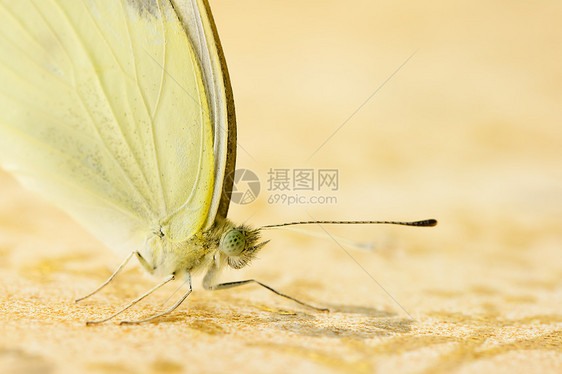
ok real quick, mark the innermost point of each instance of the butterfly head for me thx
(240, 245)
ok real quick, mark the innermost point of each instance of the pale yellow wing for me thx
(103, 110)
(198, 21)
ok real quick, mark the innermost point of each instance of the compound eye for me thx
(233, 243)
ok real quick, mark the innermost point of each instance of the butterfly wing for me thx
(197, 19)
(104, 110)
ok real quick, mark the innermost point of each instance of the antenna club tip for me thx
(430, 222)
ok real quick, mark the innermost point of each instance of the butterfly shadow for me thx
(345, 321)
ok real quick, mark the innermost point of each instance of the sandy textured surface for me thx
(468, 131)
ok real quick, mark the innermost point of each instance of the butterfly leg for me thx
(145, 264)
(168, 311)
(223, 286)
(110, 278)
(168, 279)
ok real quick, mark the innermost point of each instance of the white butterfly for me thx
(121, 112)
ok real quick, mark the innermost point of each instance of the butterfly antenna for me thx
(423, 223)
(362, 246)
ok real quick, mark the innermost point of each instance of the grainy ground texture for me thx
(468, 131)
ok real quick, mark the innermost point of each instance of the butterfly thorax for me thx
(223, 242)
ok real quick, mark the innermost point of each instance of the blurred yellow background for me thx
(440, 109)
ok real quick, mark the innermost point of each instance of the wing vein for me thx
(132, 154)
(152, 133)
(49, 148)
(145, 104)
(123, 171)
(30, 58)
(162, 71)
